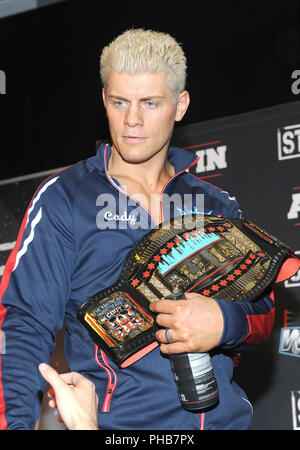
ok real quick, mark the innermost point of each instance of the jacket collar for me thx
(179, 158)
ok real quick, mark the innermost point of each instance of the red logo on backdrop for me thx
(212, 156)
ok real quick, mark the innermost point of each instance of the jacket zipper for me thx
(110, 386)
(171, 179)
(202, 418)
(110, 374)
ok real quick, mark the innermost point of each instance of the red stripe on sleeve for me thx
(9, 267)
(260, 325)
(3, 286)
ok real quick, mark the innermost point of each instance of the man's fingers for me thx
(50, 375)
(52, 403)
(51, 393)
(177, 347)
(162, 335)
(165, 306)
(164, 320)
(62, 380)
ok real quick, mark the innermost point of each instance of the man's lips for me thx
(133, 138)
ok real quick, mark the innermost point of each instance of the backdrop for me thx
(241, 57)
(255, 157)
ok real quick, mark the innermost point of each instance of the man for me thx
(74, 240)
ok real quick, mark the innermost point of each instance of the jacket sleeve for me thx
(246, 324)
(34, 290)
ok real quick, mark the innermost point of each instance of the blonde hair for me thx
(141, 51)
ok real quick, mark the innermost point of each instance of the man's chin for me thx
(130, 159)
(134, 155)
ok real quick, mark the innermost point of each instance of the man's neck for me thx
(151, 174)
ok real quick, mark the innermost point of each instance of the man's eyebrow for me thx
(150, 97)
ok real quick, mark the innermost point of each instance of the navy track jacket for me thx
(62, 257)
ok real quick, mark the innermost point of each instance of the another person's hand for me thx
(75, 398)
(195, 324)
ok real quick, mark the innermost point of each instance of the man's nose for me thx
(133, 116)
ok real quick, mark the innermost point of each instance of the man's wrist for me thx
(236, 324)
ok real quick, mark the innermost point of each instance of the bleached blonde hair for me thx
(141, 51)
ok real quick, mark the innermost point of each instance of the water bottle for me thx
(194, 376)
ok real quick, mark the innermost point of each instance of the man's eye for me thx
(119, 103)
(150, 104)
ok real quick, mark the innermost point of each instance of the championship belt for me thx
(223, 258)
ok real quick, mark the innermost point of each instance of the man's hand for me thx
(195, 324)
(75, 398)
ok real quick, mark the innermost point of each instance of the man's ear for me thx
(182, 105)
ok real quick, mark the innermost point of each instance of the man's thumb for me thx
(50, 375)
